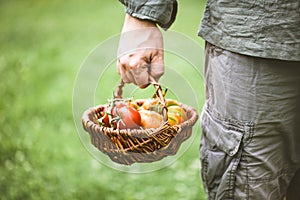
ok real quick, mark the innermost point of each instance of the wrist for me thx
(133, 23)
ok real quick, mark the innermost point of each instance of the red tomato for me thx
(126, 116)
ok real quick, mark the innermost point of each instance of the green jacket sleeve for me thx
(163, 12)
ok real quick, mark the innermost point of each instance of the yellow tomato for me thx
(149, 103)
(173, 119)
(171, 102)
(178, 112)
(151, 113)
(150, 119)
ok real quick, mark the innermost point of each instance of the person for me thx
(249, 146)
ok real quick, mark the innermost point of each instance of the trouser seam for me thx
(247, 190)
(231, 178)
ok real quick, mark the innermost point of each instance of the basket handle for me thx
(119, 91)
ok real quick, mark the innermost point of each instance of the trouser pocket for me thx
(220, 154)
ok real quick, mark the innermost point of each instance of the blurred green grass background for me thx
(42, 45)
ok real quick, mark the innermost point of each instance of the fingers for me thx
(125, 74)
(136, 67)
(141, 76)
(133, 68)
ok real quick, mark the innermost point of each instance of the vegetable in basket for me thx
(134, 114)
(126, 116)
(121, 115)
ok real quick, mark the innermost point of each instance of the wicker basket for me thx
(128, 146)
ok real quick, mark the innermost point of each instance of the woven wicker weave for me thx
(128, 146)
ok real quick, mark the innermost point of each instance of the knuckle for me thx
(122, 60)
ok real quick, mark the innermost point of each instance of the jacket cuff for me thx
(162, 12)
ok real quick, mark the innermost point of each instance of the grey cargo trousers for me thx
(250, 143)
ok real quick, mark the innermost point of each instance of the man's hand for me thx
(140, 53)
